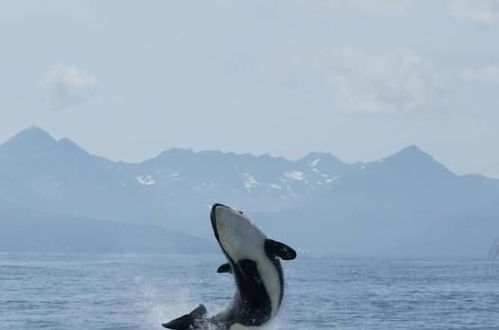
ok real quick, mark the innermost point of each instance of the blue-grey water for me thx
(70, 291)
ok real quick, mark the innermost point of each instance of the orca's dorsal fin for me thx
(225, 268)
(279, 249)
(187, 321)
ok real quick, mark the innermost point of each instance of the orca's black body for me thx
(253, 261)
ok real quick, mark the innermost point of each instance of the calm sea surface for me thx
(63, 291)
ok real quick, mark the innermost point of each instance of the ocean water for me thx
(70, 291)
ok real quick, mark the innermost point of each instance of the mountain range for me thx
(56, 196)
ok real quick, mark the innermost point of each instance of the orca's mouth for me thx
(213, 218)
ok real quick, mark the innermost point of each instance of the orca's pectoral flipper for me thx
(225, 268)
(188, 321)
(279, 249)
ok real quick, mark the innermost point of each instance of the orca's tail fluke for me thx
(193, 320)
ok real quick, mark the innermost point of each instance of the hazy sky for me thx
(357, 78)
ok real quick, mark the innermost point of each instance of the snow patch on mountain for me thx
(146, 180)
(294, 175)
(249, 181)
(330, 180)
(275, 186)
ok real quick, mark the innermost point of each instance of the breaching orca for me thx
(253, 261)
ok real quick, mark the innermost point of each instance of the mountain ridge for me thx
(35, 132)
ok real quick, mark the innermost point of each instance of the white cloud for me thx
(396, 81)
(484, 75)
(483, 11)
(64, 86)
(327, 8)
